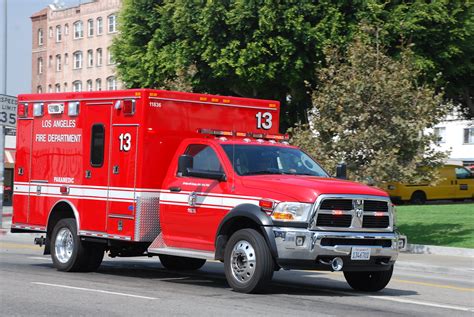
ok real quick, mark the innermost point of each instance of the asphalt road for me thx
(422, 285)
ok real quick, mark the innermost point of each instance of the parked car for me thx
(457, 182)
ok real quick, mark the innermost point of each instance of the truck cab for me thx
(222, 186)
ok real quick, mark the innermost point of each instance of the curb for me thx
(437, 250)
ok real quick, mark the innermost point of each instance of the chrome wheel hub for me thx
(243, 261)
(64, 245)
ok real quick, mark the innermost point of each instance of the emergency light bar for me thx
(281, 137)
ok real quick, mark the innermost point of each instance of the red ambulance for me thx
(190, 177)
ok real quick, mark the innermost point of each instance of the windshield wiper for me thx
(262, 172)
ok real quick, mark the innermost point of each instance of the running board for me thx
(158, 246)
(207, 255)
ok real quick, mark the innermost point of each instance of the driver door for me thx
(193, 209)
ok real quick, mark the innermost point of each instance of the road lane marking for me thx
(386, 298)
(39, 258)
(4, 245)
(415, 302)
(405, 301)
(93, 290)
(464, 289)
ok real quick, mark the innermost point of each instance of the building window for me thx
(50, 31)
(440, 134)
(98, 84)
(110, 59)
(100, 26)
(65, 87)
(57, 88)
(111, 83)
(77, 86)
(40, 37)
(50, 88)
(58, 33)
(78, 30)
(89, 85)
(66, 29)
(97, 145)
(40, 65)
(78, 60)
(112, 23)
(58, 63)
(99, 57)
(90, 58)
(39, 89)
(90, 27)
(469, 136)
(50, 60)
(66, 59)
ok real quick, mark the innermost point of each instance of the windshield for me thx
(258, 160)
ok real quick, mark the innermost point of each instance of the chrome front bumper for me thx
(302, 248)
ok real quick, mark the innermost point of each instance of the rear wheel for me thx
(418, 198)
(369, 281)
(248, 262)
(69, 253)
(181, 263)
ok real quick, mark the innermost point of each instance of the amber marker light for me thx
(282, 216)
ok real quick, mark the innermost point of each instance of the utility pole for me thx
(2, 127)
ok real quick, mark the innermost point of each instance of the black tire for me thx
(181, 263)
(418, 198)
(237, 264)
(369, 281)
(84, 257)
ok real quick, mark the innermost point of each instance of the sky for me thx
(19, 42)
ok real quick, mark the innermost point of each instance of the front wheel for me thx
(369, 281)
(248, 262)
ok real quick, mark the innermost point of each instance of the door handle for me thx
(175, 189)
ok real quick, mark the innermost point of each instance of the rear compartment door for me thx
(22, 171)
(123, 171)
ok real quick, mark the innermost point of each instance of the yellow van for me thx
(456, 182)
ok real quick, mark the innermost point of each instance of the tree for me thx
(371, 112)
(269, 48)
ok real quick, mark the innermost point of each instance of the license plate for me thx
(360, 253)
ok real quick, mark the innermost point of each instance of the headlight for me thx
(391, 187)
(292, 211)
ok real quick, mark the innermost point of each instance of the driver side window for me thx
(204, 158)
(462, 173)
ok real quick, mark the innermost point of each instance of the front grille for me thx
(375, 205)
(328, 220)
(336, 204)
(330, 242)
(375, 222)
(344, 212)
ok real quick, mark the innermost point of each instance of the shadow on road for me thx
(212, 276)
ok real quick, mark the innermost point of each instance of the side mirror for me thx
(185, 162)
(341, 171)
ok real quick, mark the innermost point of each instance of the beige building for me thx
(70, 49)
